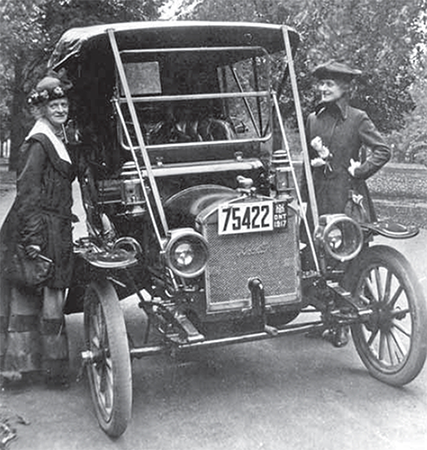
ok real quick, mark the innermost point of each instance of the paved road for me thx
(293, 393)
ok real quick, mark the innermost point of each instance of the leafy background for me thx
(386, 39)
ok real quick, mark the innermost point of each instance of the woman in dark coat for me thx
(336, 134)
(33, 336)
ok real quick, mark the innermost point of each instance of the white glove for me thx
(317, 162)
(321, 149)
(353, 166)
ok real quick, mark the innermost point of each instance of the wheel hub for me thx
(380, 319)
(94, 356)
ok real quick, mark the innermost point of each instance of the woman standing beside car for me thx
(33, 335)
(336, 134)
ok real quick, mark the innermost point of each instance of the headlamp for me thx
(339, 236)
(186, 253)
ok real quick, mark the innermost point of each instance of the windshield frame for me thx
(229, 56)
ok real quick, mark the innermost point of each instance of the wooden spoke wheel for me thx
(108, 358)
(392, 341)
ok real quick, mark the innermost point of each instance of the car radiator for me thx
(235, 259)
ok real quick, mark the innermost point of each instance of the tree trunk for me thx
(18, 115)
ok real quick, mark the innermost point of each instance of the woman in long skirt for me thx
(33, 338)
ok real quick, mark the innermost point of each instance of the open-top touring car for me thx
(193, 205)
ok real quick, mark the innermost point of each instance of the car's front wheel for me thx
(392, 341)
(108, 358)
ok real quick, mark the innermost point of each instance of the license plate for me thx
(250, 217)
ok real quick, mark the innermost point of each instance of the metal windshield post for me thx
(301, 128)
(140, 139)
(295, 181)
(140, 176)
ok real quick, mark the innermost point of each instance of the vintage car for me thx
(192, 197)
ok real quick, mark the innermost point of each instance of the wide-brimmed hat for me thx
(51, 87)
(334, 69)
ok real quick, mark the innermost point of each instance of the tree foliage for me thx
(377, 36)
(384, 38)
(28, 31)
(20, 35)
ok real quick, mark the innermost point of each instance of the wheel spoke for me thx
(401, 329)
(104, 384)
(400, 314)
(369, 286)
(378, 283)
(109, 365)
(94, 340)
(387, 288)
(106, 400)
(374, 334)
(110, 382)
(389, 345)
(381, 346)
(107, 389)
(102, 331)
(95, 323)
(103, 379)
(399, 347)
(94, 335)
(101, 367)
(396, 296)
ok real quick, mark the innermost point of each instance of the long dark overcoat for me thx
(41, 212)
(345, 131)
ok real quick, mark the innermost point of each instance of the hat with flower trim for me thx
(51, 87)
(334, 69)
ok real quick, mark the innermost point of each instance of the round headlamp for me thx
(340, 236)
(186, 253)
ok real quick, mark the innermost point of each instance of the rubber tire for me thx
(413, 360)
(101, 301)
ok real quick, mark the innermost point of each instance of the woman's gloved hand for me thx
(353, 166)
(33, 251)
(321, 149)
(317, 162)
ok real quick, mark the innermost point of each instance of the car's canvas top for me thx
(80, 41)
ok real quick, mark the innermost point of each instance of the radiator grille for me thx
(234, 259)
